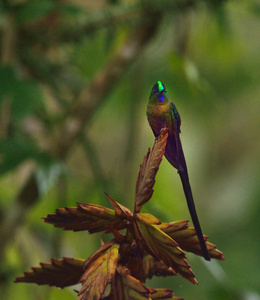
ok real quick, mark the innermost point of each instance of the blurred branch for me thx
(109, 16)
(59, 79)
(9, 41)
(43, 70)
(182, 32)
(133, 134)
(8, 55)
(71, 33)
(89, 101)
(94, 95)
(95, 164)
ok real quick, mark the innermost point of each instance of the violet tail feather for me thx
(188, 194)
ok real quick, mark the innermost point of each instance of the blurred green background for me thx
(74, 84)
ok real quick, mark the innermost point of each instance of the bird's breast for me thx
(159, 117)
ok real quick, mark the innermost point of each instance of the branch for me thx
(95, 94)
(73, 33)
(89, 101)
(108, 17)
(9, 41)
(51, 74)
(95, 164)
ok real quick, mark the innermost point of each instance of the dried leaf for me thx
(120, 210)
(126, 287)
(98, 253)
(156, 267)
(59, 272)
(148, 169)
(147, 218)
(173, 226)
(188, 240)
(166, 294)
(99, 272)
(164, 248)
(136, 285)
(133, 258)
(91, 217)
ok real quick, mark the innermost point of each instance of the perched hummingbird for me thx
(161, 112)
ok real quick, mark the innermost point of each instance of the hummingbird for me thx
(161, 113)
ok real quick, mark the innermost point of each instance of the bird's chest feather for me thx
(159, 116)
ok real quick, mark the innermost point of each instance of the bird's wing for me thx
(183, 172)
(176, 121)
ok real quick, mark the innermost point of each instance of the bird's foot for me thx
(163, 129)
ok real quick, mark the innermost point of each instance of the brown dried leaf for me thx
(59, 272)
(91, 217)
(99, 272)
(126, 287)
(156, 267)
(188, 240)
(148, 169)
(164, 248)
(120, 210)
(166, 294)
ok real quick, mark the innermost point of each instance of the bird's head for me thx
(158, 92)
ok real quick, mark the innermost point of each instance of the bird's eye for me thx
(155, 90)
(158, 88)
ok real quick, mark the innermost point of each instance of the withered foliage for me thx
(119, 268)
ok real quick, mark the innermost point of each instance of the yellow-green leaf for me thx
(99, 272)
(173, 226)
(188, 241)
(147, 218)
(164, 248)
(129, 288)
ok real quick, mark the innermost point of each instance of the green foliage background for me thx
(206, 53)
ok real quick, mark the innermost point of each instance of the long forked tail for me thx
(188, 194)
